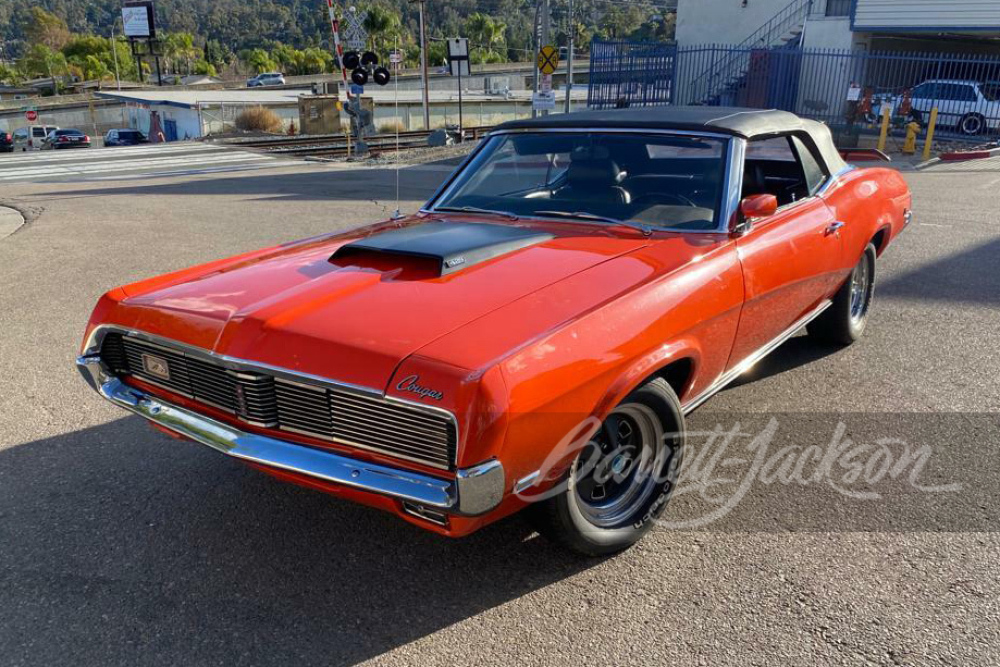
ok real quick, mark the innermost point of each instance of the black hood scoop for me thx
(453, 246)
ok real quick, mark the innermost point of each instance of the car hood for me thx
(354, 317)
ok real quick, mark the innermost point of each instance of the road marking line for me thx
(127, 165)
(84, 154)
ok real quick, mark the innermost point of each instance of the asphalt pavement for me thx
(119, 546)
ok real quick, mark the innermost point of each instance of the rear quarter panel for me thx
(868, 201)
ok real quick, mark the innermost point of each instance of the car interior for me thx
(781, 166)
(665, 181)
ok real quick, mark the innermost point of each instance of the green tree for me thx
(383, 25)
(620, 22)
(10, 75)
(47, 29)
(41, 61)
(258, 61)
(179, 49)
(487, 36)
(204, 68)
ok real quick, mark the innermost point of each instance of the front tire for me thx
(844, 322)
(622, 479)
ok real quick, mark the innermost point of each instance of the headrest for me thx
(592, 166)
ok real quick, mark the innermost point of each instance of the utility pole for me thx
(546, 28)
(569, 59)
(538, 49)
(114, 50)
(423, 65)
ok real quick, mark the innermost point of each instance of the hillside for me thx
(245, 24)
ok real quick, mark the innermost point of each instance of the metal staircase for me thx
(730, 67)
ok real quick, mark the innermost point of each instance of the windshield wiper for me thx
(475, 209)
(583, 215)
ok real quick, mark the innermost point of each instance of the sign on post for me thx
(543, 101)
(137, 19)
(355, 35)
(396, 58)
(458, 56)
(458, 63)
(548, 59)
(31, 115)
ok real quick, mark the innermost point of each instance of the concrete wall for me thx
(95, 121)
(831, 32)
(722, 21)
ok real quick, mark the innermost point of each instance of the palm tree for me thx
(382, 25)
(486, 34)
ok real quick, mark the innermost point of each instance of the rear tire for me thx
(844, 322)
(621, 481)
(972, 124)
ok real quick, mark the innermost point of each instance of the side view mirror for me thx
(751, 208)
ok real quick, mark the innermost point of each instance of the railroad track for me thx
(335, 145)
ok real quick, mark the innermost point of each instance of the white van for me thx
(30, 138)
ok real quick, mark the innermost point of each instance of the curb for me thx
(10, 221)
(960, 156)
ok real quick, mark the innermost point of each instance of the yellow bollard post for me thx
(884, 134)
(930, 134)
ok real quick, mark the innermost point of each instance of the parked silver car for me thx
(266, 79)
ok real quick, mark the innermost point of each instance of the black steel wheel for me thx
(621, 480)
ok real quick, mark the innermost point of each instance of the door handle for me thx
(832, 228)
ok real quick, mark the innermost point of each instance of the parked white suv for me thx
(968, 106)
(30, 138)
(267, 79)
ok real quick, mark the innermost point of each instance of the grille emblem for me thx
(156, 366)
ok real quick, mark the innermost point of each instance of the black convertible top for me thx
(739, 122)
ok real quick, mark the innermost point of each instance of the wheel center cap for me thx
(619, 464)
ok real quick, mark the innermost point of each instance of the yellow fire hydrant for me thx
(912, 131)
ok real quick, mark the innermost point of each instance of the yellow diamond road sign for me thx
(548, 60)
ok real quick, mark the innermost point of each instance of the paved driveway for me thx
(119, 546)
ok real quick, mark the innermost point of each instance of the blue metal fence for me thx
(841, 88)
(624, 73)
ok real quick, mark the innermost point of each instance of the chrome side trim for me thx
(526, 482)
(474, 491)
(96, 338)
(751, 360)
(733, 183)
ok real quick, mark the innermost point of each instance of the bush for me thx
(259, 119)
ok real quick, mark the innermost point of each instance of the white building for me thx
(967, 26)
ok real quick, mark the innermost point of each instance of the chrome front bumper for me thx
(474, 491)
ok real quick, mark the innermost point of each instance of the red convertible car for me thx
(533, 337)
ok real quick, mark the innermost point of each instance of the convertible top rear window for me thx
(666, 181)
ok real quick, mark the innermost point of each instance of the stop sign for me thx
(31, 116)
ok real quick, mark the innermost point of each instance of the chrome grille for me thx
(321, 411)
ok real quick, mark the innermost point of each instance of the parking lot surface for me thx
(121, 546)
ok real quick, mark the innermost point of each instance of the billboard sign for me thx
(138, 20)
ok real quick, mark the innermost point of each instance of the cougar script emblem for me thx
(409, 384)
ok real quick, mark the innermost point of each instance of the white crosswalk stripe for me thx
(144, 161)
(985, 164)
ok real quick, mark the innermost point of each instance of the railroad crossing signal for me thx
(548, 59)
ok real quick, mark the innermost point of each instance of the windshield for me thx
(659, 180)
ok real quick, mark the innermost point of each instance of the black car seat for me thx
(592, 176)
